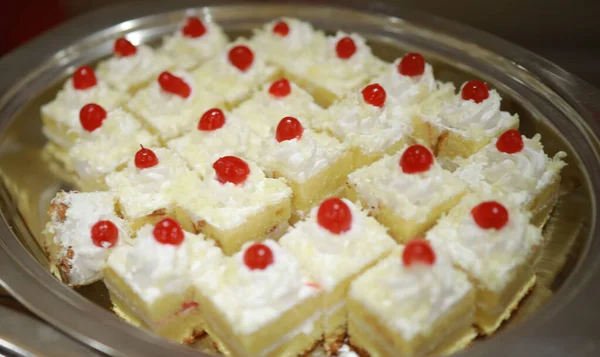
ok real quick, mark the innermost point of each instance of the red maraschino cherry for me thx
(105, 234)
(258, 256)
(335, 216)
(345, 47)
(168, 231)
(510, 142)
(91, 116)
(289, 128)
(413, 64)
(374, 94)
(490, 215)
(231, 169)
(416, 159)
(280, 88)
(476, 91)
(174, 85)
(418, 251)
(241, 57)
(212, 119)
(145, 158)
(124, 48)
(281, 28)
(84, 78)
(194, 27)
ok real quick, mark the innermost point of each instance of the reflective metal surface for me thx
(559, 318)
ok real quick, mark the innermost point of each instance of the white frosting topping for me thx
(332, 258)
(406, 90)
(188, 52)
(410, 300)
(300, 160)
(477, 121)
(64, 109)
(410, 196)
(341, 75)
(73, 233)
(251, 299)
(224, 79)
(227, 205)
(371, 129)
(264, 111)
(144, 191)
(107, 148)
(521, 175)
(128, 72)
(489, 255)
(169, 114)
(300, 37)
(153, 269)
(202, 148)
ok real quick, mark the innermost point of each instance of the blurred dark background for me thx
(565, 32)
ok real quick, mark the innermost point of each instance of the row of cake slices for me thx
(403, 100)
(336, 272)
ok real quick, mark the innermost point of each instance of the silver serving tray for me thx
(559, 318)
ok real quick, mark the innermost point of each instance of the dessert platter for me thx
(276, 184)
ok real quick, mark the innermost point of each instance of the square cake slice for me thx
(465, 122)
(151, 282)
(235, 73)
(131, 68)
(263, 304)
(83, 229)
(218, 133)
(494, 243)
(406, 192)
(147, 187)
(172, 104)
(194, 42)
(370, 122)
(413, 303)
(314, 165)
(345, 64)
(61, 116)
(275, 101)
(235, 203)
(106, 148)
(516, 166)
(335, 244)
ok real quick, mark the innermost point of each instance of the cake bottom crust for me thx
(487, 324)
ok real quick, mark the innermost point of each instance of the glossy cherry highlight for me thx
(194, 28)
(413, 64)
(280, 88)
(374, 94)
(289, 128)
(231, 169)
(124, 48)
(84, 78)
(335, 216)
(145, 158)
(281, 28)
(490, 215)
(418, 251)
(91, 116)
(104, 234)
(510, 142)
(416, 159)
(345, 47)
(168, 231)
(476, 91)
(258, 256)
(241, 57)
(212, 119)
(174, 85)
